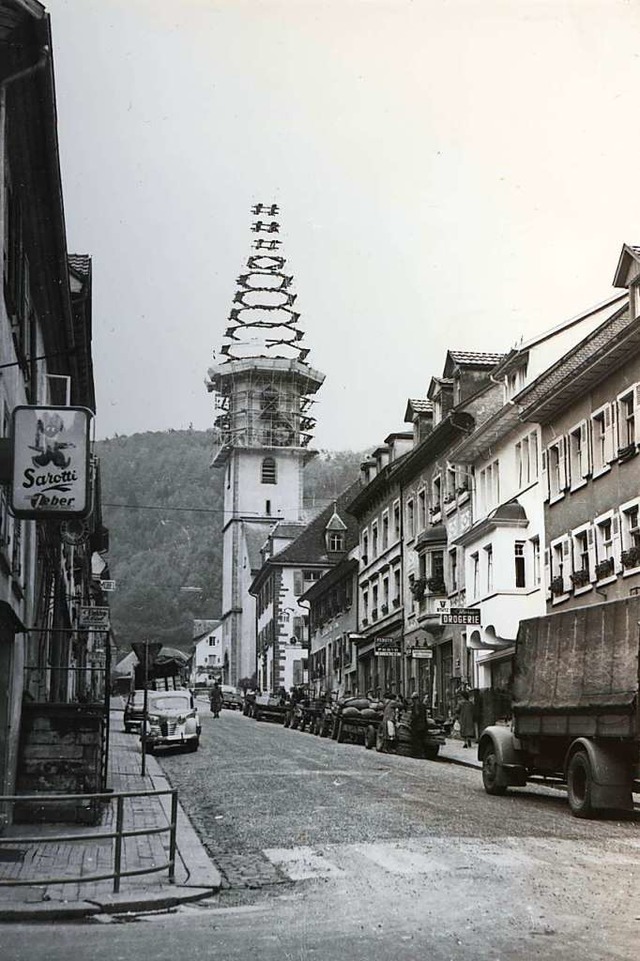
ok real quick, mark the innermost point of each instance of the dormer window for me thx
(514, 381)
(335, 533)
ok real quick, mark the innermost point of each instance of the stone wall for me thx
(61, 749)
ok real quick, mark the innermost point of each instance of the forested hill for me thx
(163, 507)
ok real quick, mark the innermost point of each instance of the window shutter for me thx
(608, 435)
(591, 547)
(298, 583)
(636, 415)
(616, 543)
(563, 447)
(544, 477)
(567, 562)
(585, 467)
(547, 568)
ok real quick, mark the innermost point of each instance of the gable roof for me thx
(470, 358)
(629, 255)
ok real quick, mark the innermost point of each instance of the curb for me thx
(111, 904)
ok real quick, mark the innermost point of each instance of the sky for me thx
(452, 174)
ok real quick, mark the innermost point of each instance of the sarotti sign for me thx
(50, 462)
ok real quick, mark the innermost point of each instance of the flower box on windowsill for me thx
(384, 609)
(374, 614)
(626, 453)
(630, 558)
(396, 602)
(557, 586)
(604, 569)
(417, 586)
(580, 578)
(365, 621)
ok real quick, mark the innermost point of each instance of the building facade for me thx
(53, 663)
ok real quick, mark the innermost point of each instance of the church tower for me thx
(264, 391)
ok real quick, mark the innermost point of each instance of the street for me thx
(330, 851)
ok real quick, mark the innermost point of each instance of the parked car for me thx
(172, 720)
(133, 711)
(232, 698)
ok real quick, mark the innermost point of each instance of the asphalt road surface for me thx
(329, 851)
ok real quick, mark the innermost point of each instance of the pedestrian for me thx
(216, 699)
(418, 725)
(466, 720)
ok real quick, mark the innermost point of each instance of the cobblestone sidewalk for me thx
(43, 858)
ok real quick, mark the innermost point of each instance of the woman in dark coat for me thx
(216, 699)
(466, 719)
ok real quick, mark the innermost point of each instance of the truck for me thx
(576, 709)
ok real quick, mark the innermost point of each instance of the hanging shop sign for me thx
(424, 653)
(50, 462)
(95, 618)
(387, 647)
(461, 615)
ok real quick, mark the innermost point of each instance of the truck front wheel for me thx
(490, 772)
(579, 785)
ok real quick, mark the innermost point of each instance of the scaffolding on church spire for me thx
(262, 380)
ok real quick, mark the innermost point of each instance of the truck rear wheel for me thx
(579, 785)
(490, 773)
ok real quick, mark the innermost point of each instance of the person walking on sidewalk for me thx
(466, 719)
(216, 699)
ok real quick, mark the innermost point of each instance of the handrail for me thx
(117, 836)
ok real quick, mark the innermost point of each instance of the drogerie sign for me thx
(50, 462)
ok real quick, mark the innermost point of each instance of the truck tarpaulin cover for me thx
(579, 659)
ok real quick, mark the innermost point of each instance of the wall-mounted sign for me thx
(96, 618)
(424, 653)
(461, 615)
(50, 462)
(108, 585)
(387, 647)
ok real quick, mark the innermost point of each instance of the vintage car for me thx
(232, 698)
(133, 711)
(172, 721)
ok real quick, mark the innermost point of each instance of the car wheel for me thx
(193, 745)
(370, 737)
(490, 774)
(432, 752)
(580, 785)
(149, 748)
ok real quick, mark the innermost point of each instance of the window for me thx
(579, 455)
(475, 574)
(422, 509)
(396, 587)
(436, 494)
(604, 540)
(489, 487)
(535, 555)
(385, 595)
(519, 561)
(335, 541)
(410, 520)
(453, 567)
(602, 439)
(581, 553)
(269, 471)
(374, 601)
(396, 519)
(628, 433)
(365, 548)
(267, 508)
(630, 530)
(515, 381)
(385, 530)
(374, 539)
(489, 562)
(557, 469)
(523, 466)
(365, 606)
(450, 484)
